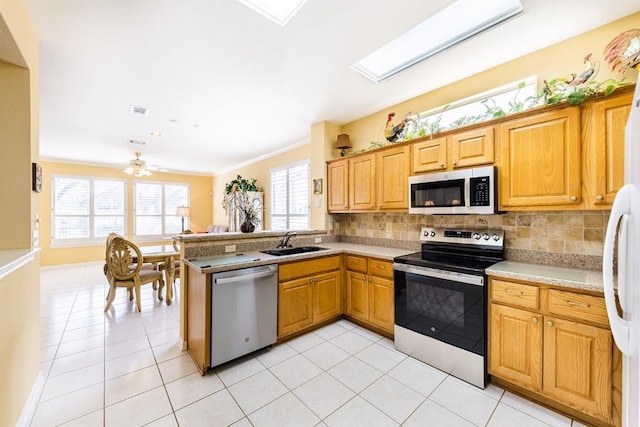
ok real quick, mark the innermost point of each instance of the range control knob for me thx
(496, 237)
(485, 236)
(476, 236)
(432, 234)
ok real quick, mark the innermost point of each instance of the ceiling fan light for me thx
(128, 171)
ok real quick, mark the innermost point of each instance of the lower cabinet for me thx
(555, 344)
(370, 291)
(308, 293)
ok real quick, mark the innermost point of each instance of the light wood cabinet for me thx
(540, 161)
(374, 181)
(370, 291)
(459, 150)
(556, 344)
(603, 124)
(338, 186)
(392, 178)
(362, 182)
(309, 292)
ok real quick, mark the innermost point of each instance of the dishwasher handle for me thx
(243, 277)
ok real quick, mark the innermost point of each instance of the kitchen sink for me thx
(293, 251)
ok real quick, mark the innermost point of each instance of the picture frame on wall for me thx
(36, 177)
(317, 186)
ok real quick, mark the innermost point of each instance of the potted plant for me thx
(243, 204)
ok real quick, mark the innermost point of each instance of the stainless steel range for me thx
(441, 300)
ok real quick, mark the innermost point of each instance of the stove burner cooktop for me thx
(463, 251)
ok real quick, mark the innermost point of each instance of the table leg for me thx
(169, 274)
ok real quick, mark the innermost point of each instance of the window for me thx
(508, 99)
(155, 208)
(86, 210)
(290, 197)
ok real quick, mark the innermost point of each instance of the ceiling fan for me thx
(137, 167)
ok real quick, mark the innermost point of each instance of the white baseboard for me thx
(29, 408)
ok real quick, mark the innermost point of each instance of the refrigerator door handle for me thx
(622, 263)
(620, 209)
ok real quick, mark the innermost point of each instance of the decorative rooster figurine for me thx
(395, 132)
(593, 66)
(624, 50)
(391, 132)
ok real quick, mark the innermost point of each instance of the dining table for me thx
(166, 254)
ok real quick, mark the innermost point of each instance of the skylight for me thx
(279, 11)
(455, 23)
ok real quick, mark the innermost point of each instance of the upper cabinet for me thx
(540, 161)
(393, 178)
(603, 124)
(374, 181)
(459, 150)
(559, 157)
(338, 186)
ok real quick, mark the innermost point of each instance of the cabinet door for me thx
(393, 176)
(357, 295)
(577, 366)
(472, 148)
(362, 182)
(603, 135)
(430, 155)
(326, 296)
(338, 186)
(515, 346)
(295, 305)
(381, 303)
(540, 161)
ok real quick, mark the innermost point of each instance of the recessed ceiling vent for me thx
(138, 110)
(137, 142)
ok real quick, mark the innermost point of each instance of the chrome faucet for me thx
(284, 243)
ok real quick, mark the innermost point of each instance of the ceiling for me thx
(226, 86)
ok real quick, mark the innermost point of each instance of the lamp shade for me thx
(182, 211)
(343, 141)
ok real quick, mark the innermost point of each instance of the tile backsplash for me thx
(563, 238)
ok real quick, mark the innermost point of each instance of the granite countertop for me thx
(589, 280)
(255, 258)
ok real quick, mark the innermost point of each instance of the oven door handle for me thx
(440, 274)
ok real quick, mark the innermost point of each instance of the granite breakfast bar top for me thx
(249, 259)
(588, 280)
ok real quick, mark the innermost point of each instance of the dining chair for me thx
(122, 271)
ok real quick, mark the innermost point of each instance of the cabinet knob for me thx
(599, 197)
(454, 163)
(549, 323)
(441, 165)
(369, 278)
(534, 320)
(573, 198)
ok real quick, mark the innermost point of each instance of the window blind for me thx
(290, 197)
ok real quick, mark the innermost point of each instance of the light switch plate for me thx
(230, 248)
(318, 239)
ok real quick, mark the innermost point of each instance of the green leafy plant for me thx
(241, 184)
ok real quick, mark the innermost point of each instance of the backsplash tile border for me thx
(562, 238)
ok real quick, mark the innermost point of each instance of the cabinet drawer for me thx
(526, 296)
(578, 306)
(380, 268)
(356, 263)
(307, 268)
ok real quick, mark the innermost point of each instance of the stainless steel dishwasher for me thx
(244, 311)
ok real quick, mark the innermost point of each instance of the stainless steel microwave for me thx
(464, 191)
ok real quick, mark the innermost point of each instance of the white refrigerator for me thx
(623, 231)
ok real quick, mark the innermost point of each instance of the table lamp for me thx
(343, 143)
(182, 211)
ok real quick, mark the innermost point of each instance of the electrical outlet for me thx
(318, 239)
(230, 248)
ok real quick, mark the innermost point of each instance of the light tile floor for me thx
(124, 368)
